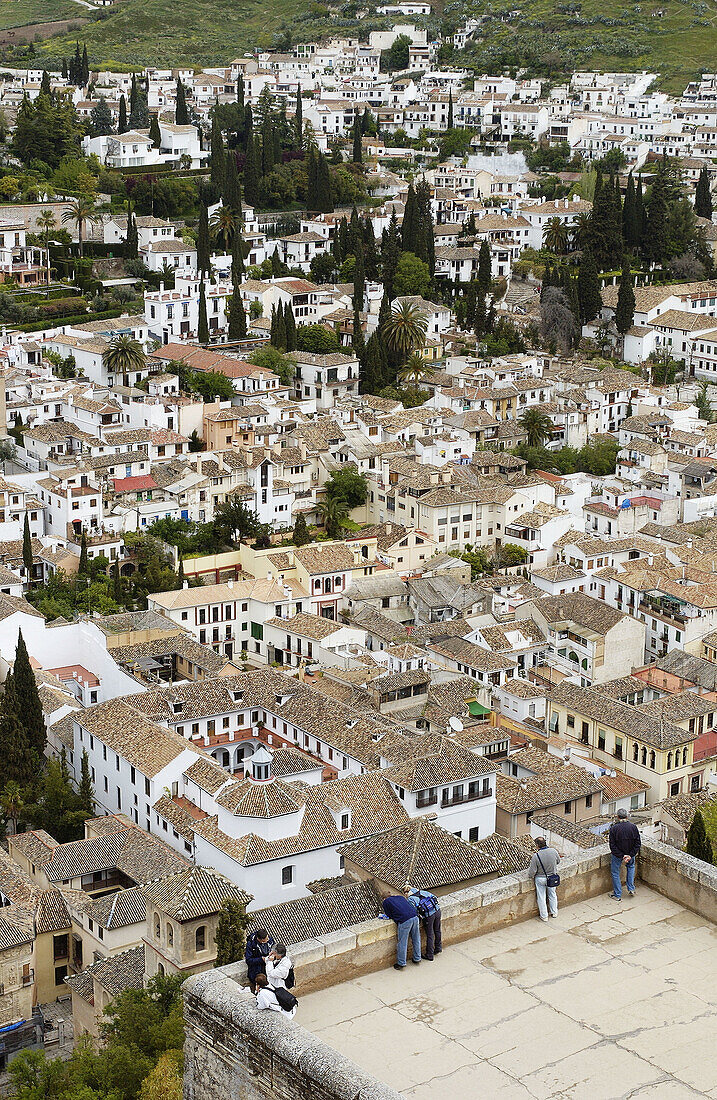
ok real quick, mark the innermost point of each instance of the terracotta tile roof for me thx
(273, 798)
(620, 786)
(114, 974)
(549, 789)
(193, 893)
(321, 913)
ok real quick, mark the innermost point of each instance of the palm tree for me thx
(79, 211)
(415, 370)
(537, 426)
(123, 355)
(222, 225)
(334, 513)
(405, 330)
(46, 222)
(580, 230)
(12, 803)
(555, 236)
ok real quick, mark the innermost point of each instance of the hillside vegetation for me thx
(552, 38)
(20, 13)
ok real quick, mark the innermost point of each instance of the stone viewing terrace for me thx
(609, 1000)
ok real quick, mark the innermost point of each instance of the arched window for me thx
(652, 758)
(572, 656)
(170, 936)
(644, 756)
(635, 752)
(684, 756)
(200, 938)
(669, 760)
(157, 928)
(160, 969)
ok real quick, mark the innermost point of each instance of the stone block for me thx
(307, 952)
(374, 931)
(338, 943)
(501, 889)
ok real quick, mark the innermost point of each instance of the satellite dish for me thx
(455, 724)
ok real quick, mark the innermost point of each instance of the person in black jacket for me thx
(625, 843)
(258, 946)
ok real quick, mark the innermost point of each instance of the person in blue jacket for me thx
(258, 946)
(403, 912)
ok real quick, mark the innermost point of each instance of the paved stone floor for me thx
(610, 1000)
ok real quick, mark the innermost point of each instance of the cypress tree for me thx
(116, 583)
(630, 231)
(280, 328)
(77, 65)
(18, 763)
(357, 339)
(625, 308)
(27, 548)
(301, 534)
(230, 939)
(639, 214)
(65, 71)
(370, 254)
(132, 95)
(484, 268)
(82, 570)
(615, 222)
(231, 195)
(325, 202)
(122, 123)
(410, 222)
(85, 67)
(132, 239)
(272, 328)
(471, 296)
(181, 114)
(298, 119)
(312, 164)
(703, 197)
(267, 145)
(237, 255)
(217, 165)
(29, 707)
(450, 109)
(155, 133)
(203, 248)
(85, 792)
(45, 88)
(240, 91)
(251, 171)
(655, 237)
(698, 843)
(390, 254)
(359, 281)
(290, 323)
(371, 378)
(357, 153)
(237, 316)
(203, 325)
(426, 243)
(588, 288)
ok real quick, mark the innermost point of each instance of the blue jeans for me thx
(412, 928)
(615, 865)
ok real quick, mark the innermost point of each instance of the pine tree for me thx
(29, 707)
(237, 316)
(698, 843)
(230, 939)
(27, 548)
(703, 196)
(18, 763)
(290, 323)
(155, 133)
(251, 171)
(181, 114)
(625, 308)
(298, 119)
(203, 246)
(203, 325)
(82, 569)
(450, 109)
(588, 288)
(357, 152)
(85, 792)
(122, 126)
(301, 531)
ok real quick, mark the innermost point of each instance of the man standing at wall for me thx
(625, 843)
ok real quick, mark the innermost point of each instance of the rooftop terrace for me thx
(608, 1000)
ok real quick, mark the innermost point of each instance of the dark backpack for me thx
(286, 1000)
(427, 904)
(290, 978)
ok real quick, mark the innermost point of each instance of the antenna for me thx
(456, 725)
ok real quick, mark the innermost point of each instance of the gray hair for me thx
(622, 813)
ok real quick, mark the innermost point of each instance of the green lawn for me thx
(673, 38)
(18, 13)
(176, 32)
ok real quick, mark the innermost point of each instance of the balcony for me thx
(28, 977)
(453, 801)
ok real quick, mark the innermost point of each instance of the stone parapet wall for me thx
(682, 878)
